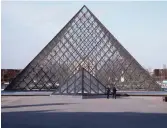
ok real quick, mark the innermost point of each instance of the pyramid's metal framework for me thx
(80, 83)
(83, 44)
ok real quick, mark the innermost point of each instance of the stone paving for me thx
(75, 112)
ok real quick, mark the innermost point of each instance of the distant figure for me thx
(114, 92)
(108, 93)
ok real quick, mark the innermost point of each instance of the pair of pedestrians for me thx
(114, 92)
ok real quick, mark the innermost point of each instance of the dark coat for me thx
(114, 89)
(108, 91)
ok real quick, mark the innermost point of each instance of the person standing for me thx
(114, 92)
(108, 92)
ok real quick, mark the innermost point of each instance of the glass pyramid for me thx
(83, 43)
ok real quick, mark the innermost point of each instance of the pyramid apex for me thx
(84, 6)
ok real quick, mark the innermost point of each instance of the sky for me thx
(27, 27)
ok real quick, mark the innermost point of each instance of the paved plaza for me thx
(75, 112)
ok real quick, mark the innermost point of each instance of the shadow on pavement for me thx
(50, 119)
(32, 105)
